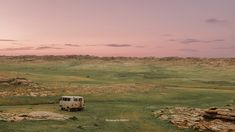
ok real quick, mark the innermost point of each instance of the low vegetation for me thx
(121, 93)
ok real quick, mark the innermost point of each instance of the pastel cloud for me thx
(215, 21)
(72, 45)
(7, 40)
(29, 48)
(20, 48)
(190, 40)
(189, 50)
(193, 40)
(118, 45)
(46, 47)
(225, 48)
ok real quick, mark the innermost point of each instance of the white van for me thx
(72, 103)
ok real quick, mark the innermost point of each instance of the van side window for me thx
(66, 99)
(80, 99)
(75, 99)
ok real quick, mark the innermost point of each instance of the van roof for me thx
(71, 96)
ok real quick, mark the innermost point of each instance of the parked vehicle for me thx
(71, 103)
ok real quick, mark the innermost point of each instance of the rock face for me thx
(35, 115)
(213, 119)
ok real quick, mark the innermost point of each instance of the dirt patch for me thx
(35, 115)
(213, 119)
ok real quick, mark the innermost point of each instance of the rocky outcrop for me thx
(22, 87)
(213, 119)
(222, 114)
(35, 115)
(16, 81)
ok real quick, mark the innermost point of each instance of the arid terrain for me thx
(121, 94)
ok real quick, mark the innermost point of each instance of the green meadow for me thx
(115, 88)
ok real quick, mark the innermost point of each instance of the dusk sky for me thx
(185, 28)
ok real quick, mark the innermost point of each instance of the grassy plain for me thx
(115, 88)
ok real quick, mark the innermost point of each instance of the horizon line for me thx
(155, 57)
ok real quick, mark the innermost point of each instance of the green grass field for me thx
(116, 88)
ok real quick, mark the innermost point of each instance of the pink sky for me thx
(198, 28)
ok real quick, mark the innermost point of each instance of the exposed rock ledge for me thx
(35, 115)
(213, 119)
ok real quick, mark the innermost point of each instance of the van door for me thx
(80, 102)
